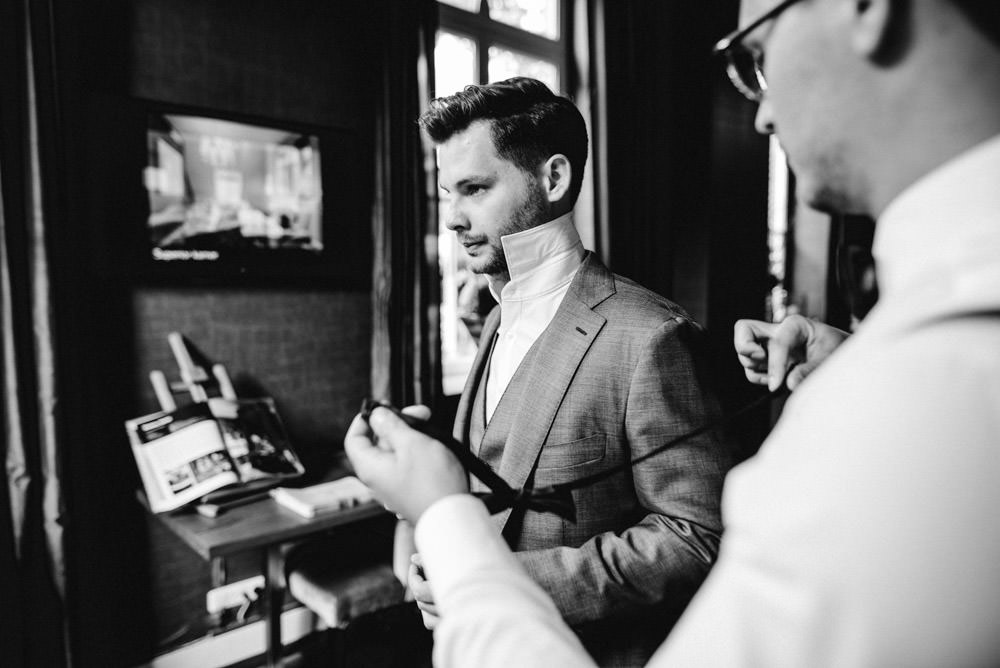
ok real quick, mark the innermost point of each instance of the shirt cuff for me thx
(455, 537)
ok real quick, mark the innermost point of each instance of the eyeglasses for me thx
(745, 66)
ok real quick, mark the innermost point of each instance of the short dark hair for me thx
(984, 14)
(528, 123)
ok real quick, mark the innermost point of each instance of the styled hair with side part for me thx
(528, 123)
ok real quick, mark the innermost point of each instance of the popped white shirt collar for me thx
(540, 259)
(945, 220)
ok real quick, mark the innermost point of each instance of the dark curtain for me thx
(681, 175)
(406, 364)
(654, 79)
(32, 572)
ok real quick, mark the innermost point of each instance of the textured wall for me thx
(133, 585)
(308, 350)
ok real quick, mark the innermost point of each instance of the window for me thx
(777, 302)
(481, 41)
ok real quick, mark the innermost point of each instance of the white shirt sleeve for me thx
(492, 613)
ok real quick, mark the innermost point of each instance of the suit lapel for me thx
(463, 415)
(561, 348)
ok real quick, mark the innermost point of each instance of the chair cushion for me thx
(339, 595)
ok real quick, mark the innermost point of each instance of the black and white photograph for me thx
(500, 333)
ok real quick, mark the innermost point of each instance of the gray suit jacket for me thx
(616, 375)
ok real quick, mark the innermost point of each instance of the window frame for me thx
(486, 32)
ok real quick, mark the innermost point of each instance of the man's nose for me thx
(764, 120)
(455, 220)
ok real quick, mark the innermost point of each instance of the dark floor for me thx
(391, 638)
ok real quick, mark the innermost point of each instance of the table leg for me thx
(219, 576)
(219, 573)
(274, 597)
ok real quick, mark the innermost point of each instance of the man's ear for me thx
(872, 24)
(557, 174)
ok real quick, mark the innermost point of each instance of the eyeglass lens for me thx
(745, 73)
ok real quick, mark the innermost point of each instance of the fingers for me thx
(747, 331)
(363, 453)
(799, 373)
(358, 429)
(428, 609)
(418, 579)
(416, 571)
(786, 346)
(756, 377)
(423, 597)
(777, 363)
(421, 589)
(407, 470)
(795, 346)
(767, 350)
(422, 594)
(387, 426)
(418, 411)
(431, 619)
(749, 337)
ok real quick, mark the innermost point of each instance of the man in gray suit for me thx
(862, 534)
(578, 370)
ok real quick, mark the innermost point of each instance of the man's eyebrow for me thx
(474, 180)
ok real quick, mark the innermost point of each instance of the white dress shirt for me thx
(865, 531)
(542, 262)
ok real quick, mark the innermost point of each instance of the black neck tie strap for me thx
(557, 499)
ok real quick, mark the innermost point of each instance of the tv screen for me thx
(217, 187)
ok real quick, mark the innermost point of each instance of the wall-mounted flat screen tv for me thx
(180, 195)
(217, 187)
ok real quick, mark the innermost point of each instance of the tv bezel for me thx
(119, 199)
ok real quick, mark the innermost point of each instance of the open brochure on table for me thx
(210, 450)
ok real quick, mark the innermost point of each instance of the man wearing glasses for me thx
(864, 532)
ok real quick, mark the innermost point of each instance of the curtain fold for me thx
(32, 570)
(406, 364)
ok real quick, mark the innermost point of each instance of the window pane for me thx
(454, 68)
(777, 232)
(463, 310)
(467, 5)
(538, 16)
(454, 63)
(505, 64)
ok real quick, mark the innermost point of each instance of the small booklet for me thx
(323, 497)
(210, 451)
